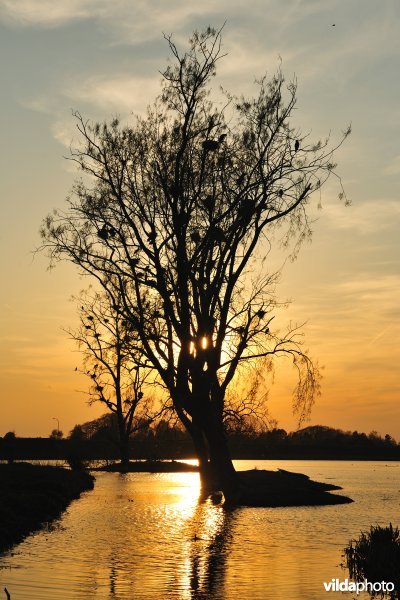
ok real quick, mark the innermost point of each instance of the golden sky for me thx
(103, 58)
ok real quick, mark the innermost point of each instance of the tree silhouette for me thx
(114, 362)
(56, 434)
(179, 217)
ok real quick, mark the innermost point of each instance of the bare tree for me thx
(180, 216)
(245, 404)
(113, 359)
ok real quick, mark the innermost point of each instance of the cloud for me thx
(134, 21)
(118, 94)
(46, 13)
(365, 217)
(393, 168)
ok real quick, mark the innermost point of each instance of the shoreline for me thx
(33, 495)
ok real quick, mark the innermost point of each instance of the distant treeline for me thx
(98, 439)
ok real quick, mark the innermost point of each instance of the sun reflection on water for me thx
(146, 536)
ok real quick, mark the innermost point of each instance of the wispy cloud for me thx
(122, 94)
(364, 217)
(135, 20)
(46, 13)
(393, 168)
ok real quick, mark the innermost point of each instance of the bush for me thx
(375, 556)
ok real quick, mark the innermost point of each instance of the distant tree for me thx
(114, 362)
(179, 217)
(389, 440)
(10, 438)
(56, 434)
(77, 433)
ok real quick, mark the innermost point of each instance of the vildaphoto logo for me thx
(358, 586)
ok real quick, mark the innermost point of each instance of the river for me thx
(144, 536)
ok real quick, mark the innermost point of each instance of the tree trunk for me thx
(124, 449)
(203, 459)
(223, 473)
(216, 469)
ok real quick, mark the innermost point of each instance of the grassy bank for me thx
(32, 495)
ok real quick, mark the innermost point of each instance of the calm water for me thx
(145, 536)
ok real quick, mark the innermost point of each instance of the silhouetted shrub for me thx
(375, 556)
(76, 463)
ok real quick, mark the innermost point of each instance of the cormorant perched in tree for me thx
(280, 193)
(209, 145)
(221, 138)
(133, 262)
(208, 202)
(103, 233)
(246, 208)
(240, 179)
(296, 145)
(217, 234)
(195, 237)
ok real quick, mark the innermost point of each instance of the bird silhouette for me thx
(103, 233)
(208, 202)
(210, 145)
(240, 179)
(296, 145)
(217, 234)
(195, 237)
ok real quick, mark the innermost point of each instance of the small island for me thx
(257, 487)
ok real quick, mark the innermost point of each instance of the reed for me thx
(375, 556)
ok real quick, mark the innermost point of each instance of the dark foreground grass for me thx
(32, 495)
(375, 556)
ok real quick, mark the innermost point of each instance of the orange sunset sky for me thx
(103, 58)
